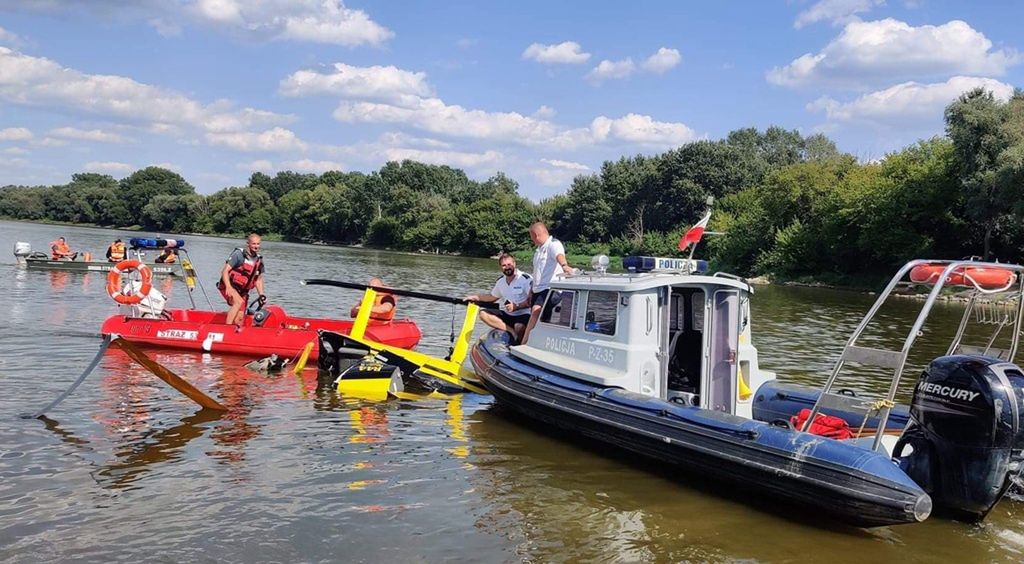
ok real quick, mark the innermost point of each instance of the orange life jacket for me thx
(170, 258)
(244, 276)
(59, 250)
(117, 252)
(379, 299)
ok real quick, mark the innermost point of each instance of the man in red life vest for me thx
(242, 272)
(60, 250)
(383, 304)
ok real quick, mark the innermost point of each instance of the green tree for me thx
(242, 210)
(140, 187)
(988, 138)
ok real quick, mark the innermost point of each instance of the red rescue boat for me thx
(986, 278)
(278, 333)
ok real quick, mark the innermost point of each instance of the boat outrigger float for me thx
(368, 368)
(662, 363)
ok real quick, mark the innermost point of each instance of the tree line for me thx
(790, 205)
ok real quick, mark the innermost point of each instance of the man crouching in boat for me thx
(513, 287)
(242, 272)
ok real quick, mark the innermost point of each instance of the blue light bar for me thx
(663, 264)
(139, 243)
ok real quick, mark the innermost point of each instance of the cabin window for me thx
(560, 308)
(697, 309)
(601, 312)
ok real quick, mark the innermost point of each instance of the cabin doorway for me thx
(686, 345)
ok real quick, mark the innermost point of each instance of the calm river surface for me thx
(125, 469)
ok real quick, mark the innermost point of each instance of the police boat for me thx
(660, 361)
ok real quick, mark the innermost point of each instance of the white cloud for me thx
(836, 11)
(606, 70)
(165, 28)
(545, 112)
(567, 52)
(49, 142)
(433, 115)
(906, 106)
(16, 151)
(879, 52)
(458, 159)
(15, 134)
(397, 138)
(558, 173)
(466, 42)
(308, 165)
(109, 167)
(640, 129)
(169, 166)
(260, 165)
(318, 21)
(566, 165)
(88, 135)
(40, 82)
(9, 38)
(374, 83)
(662, 61)
(277, 139)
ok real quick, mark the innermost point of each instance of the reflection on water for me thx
(127, 468)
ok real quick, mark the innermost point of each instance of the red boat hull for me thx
(280, 334)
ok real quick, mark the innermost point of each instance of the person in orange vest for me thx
(242, 272)
(168, 256)
(384, 304)
(60, 250)
(116, 251)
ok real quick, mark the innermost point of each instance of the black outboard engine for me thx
(967, 432)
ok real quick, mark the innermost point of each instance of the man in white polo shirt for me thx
(547, 260)
(513, 287)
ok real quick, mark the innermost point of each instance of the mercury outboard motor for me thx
(967, 433)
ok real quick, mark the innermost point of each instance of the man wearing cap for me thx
(116, 251)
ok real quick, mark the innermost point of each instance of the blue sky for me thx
(216, 89)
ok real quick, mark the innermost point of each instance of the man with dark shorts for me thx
(242, 272)
(513, 288)
(548, 261)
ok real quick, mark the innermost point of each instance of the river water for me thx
(126, 469)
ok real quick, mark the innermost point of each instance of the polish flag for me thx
(694, 234)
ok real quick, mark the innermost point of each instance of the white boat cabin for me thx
(674, 334)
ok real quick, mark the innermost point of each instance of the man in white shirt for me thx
(513, 287)
(547, 259)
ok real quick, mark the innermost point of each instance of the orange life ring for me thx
(984, 278)
(114, 282)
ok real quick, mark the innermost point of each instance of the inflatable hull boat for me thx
(850, 483)
(273, 332)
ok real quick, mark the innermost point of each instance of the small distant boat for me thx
(269, 331)
(38, 260)
(662, 363)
